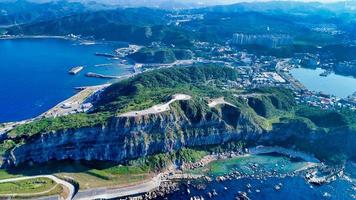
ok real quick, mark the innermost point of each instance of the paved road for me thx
(66, 184)
(106, 193)
(157, 108)
(218, 101)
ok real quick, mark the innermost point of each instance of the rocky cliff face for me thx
(131, 137)
(185, 125)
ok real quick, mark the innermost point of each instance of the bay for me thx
(34, 73)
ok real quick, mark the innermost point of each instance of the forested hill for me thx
(135, 25)
(22, 12)
(261, 116)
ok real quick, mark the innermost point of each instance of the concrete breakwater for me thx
(96, 75)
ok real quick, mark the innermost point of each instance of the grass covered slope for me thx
(30, 188)
(65, 122)
(150, 88)
(160, 55)
(93, 174)
(139, 92)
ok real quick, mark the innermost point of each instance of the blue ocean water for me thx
(292, 188)
(34, 73)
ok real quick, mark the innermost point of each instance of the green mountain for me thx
(160, 55)
(301, 21)
(113, 25)
(267, 116)
(21, 12)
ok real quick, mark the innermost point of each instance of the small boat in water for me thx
(76, 70)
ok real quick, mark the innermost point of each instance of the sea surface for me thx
(34, 73)
(292, 188)
(338, 85)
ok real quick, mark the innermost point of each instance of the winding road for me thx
(157, 108)
(107, 193)
(96, 193)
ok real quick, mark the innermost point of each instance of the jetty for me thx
(105, 64)
(109, 55)
(76, 70)
(96, 75)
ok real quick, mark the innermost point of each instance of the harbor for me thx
(80, 102)
(52, 83)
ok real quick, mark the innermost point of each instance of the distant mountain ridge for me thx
(21, 12)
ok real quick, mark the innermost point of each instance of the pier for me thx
(77, 103)
(96, 75)
(105, 55)
(105, 64)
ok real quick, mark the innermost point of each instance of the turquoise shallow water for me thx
(293, 188)
(264, 162)
(34, 73)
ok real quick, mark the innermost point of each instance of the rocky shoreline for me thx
(175, 179)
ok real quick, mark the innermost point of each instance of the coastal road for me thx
(66, 184)
(107, 193)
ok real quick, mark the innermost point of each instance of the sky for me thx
(206, 2)
(214, 1)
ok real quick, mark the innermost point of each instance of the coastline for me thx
(172, 177)
(11, 37)
(9, 125)
(168, 180)
(77, 100)
(63, 37)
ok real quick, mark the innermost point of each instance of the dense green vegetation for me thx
(266, 108)
(60, 123)
(100, 173)
(218, 24)
(160, 55)
(322, 118)
(20, 12)
(150, 88)
(139, 92)
(163, 160)
(182, 54)
(154, 55)
(112, 25)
